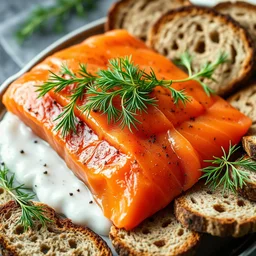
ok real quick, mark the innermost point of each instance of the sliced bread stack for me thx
(60, 237)
(137, 16)
(159, 235)
(204, 33)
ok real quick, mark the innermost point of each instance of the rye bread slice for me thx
(245, 102)
(242, 12)
(60, 237)
(159, 235)
(204, 33)
(203, 210)
(137, 16)
(249, 190)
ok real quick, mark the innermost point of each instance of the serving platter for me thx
(245, 246)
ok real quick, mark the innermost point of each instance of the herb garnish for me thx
(59, 13)
(124, 80)
(224, 171)
(30, 212)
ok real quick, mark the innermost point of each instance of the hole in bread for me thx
(193, 200)
(165, 51)
(209, 192)
(33, 239)
(219, 208)
(249, 104)
(226, 202)
(254, 26)
(8, 215)
(200, 47)
(240, 203)
(181, 35)
(44, 248)
(145, 231)
(240, 14)
(39, 226)
(166, 223)
(6, 226)
(233, 54)
(72, 243)
(1, 191)
(225, 196)
(214, 35)
(199, 27)
(19, 230)
(238, 97)
(159, 243)
(180, 232)
(175, 46)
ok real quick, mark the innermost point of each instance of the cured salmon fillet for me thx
(132, 175)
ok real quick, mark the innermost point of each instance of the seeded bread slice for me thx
(4, 196)
(60, 237)
(203, 210)
(242, 12)
(137, 16)
(249, 190)
(249, 145)
(204, 33)
(159, 235)
(245, 101)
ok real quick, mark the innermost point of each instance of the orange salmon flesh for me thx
(131, 175)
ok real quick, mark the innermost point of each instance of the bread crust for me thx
(235, 26)
(227, 4)
(196, 221)
(65, 224)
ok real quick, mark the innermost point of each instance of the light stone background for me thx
(13, 13)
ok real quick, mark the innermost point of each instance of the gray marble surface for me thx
(13, 13)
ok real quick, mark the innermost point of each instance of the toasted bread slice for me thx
(245, 101)
(137, 16)
(160, 234)
(204, 33)
(249, 145)
(242, 12)
(203, 210)
(249, 190)
(60, 237)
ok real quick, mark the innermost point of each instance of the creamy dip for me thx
(38, 166)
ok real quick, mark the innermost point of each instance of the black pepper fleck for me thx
(90, 202)
(45, 172)
(35, 141)
(2, 163)
(22, 151)
(71, 194)
(78, 190)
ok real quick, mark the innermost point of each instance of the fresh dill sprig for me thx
(123, 81)
(59, 13)
(206, 71)
(225, 172)
(30, 212)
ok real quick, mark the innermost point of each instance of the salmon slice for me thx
(127, 171)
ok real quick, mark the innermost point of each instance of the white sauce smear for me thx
(38, 166)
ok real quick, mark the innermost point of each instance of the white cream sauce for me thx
(37, 166)
(211, 3)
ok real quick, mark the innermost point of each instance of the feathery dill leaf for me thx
(122, 92)
(206, 71)
(30, 212)
(59, 12)
(224, 171)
